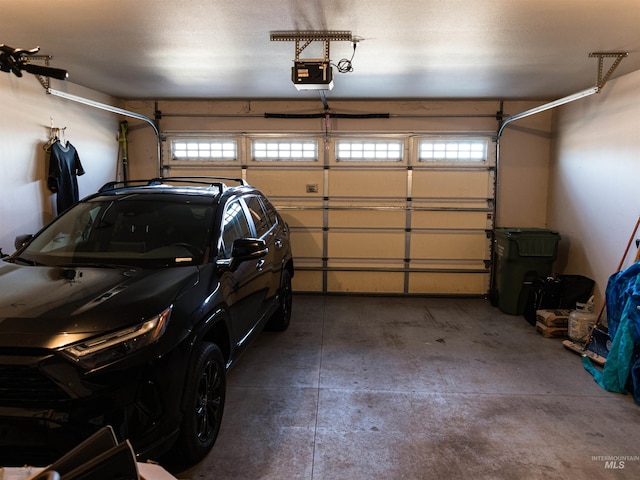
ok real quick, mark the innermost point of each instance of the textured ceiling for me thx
(457, 49)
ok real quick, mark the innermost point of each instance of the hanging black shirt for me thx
(64, 166)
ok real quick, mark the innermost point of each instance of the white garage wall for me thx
(524, 165)
(25, 118)
(594, 180)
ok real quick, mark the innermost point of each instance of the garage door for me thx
(401, 214)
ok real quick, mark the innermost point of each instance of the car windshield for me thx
(137, 230)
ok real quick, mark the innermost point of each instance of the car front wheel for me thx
(204, 403)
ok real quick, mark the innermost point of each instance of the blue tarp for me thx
(621, 372)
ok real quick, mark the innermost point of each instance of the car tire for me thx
(281, 318)
(204, 398)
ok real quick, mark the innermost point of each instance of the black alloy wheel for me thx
(204, 403)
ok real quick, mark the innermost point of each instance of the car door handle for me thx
(260, 264)
(278, 243)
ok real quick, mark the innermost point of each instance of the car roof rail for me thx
(211, 182)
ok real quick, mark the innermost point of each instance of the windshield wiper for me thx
(95, 265)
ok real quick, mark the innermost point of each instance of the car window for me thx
(269, 210)
(259, 216)
(234, 226)
(127, 230)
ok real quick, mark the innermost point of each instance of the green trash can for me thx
(520, 256)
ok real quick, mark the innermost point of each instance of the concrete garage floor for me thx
(417, 388)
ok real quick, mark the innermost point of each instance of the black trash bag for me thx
(544, 293)
(560, 292)
(575, 289)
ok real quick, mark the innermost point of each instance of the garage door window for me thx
(284, 150)
(204, 149)
(369, 150)
(452, 150)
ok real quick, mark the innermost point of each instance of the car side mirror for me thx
(242, 250)
(22, 240)
(248, 248)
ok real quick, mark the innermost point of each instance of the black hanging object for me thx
(15, 60)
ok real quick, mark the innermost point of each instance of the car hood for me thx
(50, 307)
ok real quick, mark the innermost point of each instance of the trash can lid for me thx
(519, 231)
(531, 242)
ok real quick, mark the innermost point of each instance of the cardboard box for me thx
(553, 318)
(551, 332)
(146, 471)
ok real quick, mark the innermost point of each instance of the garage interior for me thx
(416, 388)
(397, 364)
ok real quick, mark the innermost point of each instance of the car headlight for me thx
(100, 351)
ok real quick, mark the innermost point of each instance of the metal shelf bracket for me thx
(585, 93)
(309, 36)
(601, 56)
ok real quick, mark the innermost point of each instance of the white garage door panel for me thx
(374, 282)
(465, 246)
(447, 283)
(367, 218)
(372, 245)
(306, 244)
(307, 281)
(280, 182)
(365, 263)
(358, 204)
(448, 220)
(451, 265)
(451, 184)
(299, 218)
(370, 182)
(211, 171)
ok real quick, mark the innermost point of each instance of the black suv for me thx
(128, 310)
